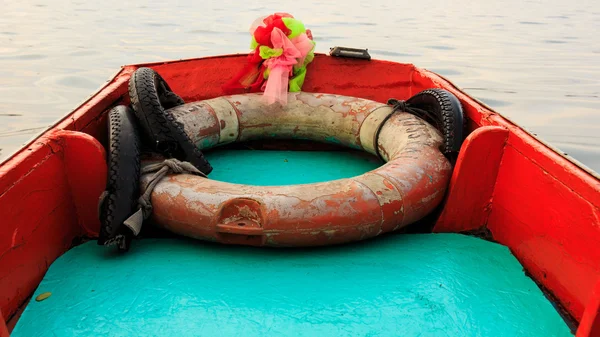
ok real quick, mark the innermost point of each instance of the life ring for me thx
(405, 189)
(120, 198)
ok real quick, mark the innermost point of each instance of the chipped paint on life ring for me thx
(406, 188)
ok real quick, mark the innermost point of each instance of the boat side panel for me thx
(580, 182)
(201, 79)
(22, 163)
(551, 229)
(469, 200)
(86, 169)
(38, 224)
(565, 218)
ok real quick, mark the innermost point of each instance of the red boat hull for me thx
(527, 196)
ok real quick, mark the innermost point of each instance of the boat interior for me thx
(512, 250)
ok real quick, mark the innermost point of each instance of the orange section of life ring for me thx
(405, 189)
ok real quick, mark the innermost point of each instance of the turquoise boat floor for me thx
(395, 285)
(268, 168)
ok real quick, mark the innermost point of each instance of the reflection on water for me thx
(535, 62)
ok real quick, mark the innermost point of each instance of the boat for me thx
(509, 195)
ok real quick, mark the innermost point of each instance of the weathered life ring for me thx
(405, 189)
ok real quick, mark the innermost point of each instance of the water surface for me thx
(536, 62)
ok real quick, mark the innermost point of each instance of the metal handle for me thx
(241, 227)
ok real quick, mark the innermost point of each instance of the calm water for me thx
(536, 62)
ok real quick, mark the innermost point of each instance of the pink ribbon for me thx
(304, 45)
(280, 68)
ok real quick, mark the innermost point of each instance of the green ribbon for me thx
(267, 52)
